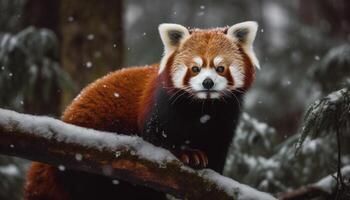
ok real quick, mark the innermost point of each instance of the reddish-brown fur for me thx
(207, 44)
(43, 183)
(97, 106)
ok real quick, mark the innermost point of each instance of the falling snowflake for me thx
(70, 18)
(115, 182)
(88, 64)
(61, 167)
(78, 157)
(317, 57)
(117, 154)
(97, 54)
(204, 119)
(164, 135)
(201, 13)
(90, 37)
(116, 95)
(286, 82)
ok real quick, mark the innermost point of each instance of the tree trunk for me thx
(42, 14)
(92, 35)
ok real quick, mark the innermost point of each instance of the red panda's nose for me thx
(208, 83)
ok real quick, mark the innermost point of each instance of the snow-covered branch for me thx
(326, 187)
(117, 156)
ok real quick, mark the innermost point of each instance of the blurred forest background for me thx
(51, 49)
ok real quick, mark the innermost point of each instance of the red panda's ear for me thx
(245, 33)
(172, 35)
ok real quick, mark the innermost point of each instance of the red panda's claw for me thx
(193, 158)
(185, 159)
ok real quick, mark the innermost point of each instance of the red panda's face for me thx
(209, 63)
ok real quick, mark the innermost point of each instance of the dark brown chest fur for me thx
(179, 121)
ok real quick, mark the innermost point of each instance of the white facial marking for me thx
(198, 61)
(250, 28)
(196, 83)
(215, 95)
(163, 63)
(237, 75)
(218, 60)
(169, 44)
(202, 95)
(178, 75)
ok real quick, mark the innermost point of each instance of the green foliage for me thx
(334, 71)
(12, 172)
(249, 156)
(24, 57)
(276, 167)
(328, 115)
(10, 14)
(258, 158)
(27, 59)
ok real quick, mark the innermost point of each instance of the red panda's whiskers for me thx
(226, 94)
(242, 91)
(175, 95)
(173, 102)
(192, 97)
(234, 95)
(179, 90)
(222, 96)
(178, 94)
(239, 103)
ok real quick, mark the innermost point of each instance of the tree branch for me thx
(122, 157)
(303, 193)
(327, 188)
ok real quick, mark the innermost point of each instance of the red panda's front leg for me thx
(194, 158)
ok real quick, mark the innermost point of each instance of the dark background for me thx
(51, 49)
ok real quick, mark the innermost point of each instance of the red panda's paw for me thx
(193, 157)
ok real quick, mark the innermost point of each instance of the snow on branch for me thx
(326, 187)
(327, 115)
(117, 156)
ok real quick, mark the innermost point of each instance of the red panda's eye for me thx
(220, 69)
(195, 69)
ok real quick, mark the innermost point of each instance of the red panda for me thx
(189, 103)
